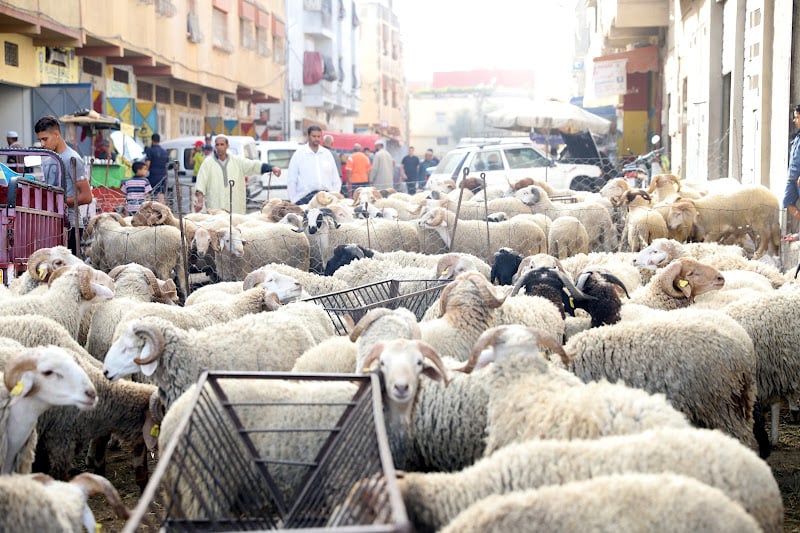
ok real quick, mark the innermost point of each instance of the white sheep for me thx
(593, 214)
(677, 284)
(41, 264)
(476, 238)
(72, 291)
(285, 287)
(174, 356)
(38, 503)
(709, 456)
(702, 361)
(467, 307)
(35, 380)
(674, 504)
(567, 237)
(643, 224)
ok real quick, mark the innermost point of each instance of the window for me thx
(278, 41)
(219, 21)
(163, 95)
(165, 8)
(195, 101)
(442, 141)
(144, 90)
(180, 97)
(229, 102)
(262, 40)
(92, 67)
(121, 75)
(247, 30)
(12, 54)
(525, 158)
(212, 98)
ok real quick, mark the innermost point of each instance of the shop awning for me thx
(638, 60)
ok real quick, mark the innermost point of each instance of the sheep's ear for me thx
(102, 292)
(23, 387)
(374, 355)
(150, 432)
(672, 281)
(147, 351)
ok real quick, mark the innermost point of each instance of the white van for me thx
(269, 186)
(182, 150)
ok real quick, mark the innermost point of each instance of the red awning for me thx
(345, 141)
(639, 60)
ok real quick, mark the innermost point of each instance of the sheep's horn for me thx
(522, 280)
(669, 274)
(545, 340)
(574, 291)
(487, 292)
(57, 273)
(156, 407)
(366, 320)
(445, 294)
(608, 276)
(253, 279)
(796, 270)
(155, 336)
(676, 180)
(42, 255)
(480, 345)
(85, 281)
(374, 355)
(155, 288)
(118, 218)
(271, 302)
(168, 290)
(116, 271)
(93, 484)
(429, 353)
(14, 371)
(324, 199)
(653, 184)
(437, 217)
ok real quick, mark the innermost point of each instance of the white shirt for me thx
(312, 171)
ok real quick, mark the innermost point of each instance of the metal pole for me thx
(73, 163)
(184, 251)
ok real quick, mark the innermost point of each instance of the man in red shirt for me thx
(357, 167)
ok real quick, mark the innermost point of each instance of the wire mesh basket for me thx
(414, 295)
(275, 451)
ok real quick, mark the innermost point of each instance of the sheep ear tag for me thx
(148, 430)
(684, 287)
(22, 388)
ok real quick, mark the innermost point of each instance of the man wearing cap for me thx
(15, 163)
(381, 175)
(197, 158)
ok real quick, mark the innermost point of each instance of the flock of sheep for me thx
(585, 357)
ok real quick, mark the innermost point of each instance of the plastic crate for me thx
(415, 295)
(216, 473)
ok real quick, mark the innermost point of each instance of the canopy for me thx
(126, 146)
(547, 116)
(89, 117)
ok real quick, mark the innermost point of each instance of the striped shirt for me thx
(136, 190)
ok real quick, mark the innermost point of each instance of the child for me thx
(136, 189)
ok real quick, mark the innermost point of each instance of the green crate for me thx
(116, 173)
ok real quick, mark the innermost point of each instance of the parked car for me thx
(268, 186)
(505, 161)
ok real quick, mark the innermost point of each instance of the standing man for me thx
(409, 166)
(381, 175)
(358, 167)
(213, 191)
(157, 163)
(15, 163)
(197, 159)
(76, 186)
(327, 142)
(428, 162)
(312, 169)
(792, 192)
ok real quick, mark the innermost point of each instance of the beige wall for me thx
(27, 73)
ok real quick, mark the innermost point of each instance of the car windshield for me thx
(525, 157)
(450, 163)
(280, 157)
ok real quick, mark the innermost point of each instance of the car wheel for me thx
(585, 183)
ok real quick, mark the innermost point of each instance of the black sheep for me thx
(605, 307)
(506, 263)
(344, 254)
(570, 296)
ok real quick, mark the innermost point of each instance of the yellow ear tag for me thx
(154, 431)
(445, 271)
(682, 283)
(41, 271)
(571, 302)
(17, 390)
(98, 527)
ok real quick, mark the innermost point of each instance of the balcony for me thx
(322, 94)
(626, 22)
(318, 18)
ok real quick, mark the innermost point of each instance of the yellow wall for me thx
(27, 73)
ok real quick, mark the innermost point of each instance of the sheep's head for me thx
(231, 241)
(659, 253)
(401, 362)
(286, 288)
(500, 342)
(203, 241)
(51, 375)
(570, 295)
(521, 183)
(614, 189)
(451, 265)
(89, 485)
(276, 209)
(664, 180)
(366, 195)
(405, 323)
(530, 195)
(138, 347)
(472, 184)
(686, 278)
(682, 214)
(469, 289)
(636, 198)
(94, 285)
(318, 219)
(44, 261)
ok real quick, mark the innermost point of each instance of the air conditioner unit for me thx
(56, 56)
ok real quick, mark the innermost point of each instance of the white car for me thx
(504, 162)
(269, 186)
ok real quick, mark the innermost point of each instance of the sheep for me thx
(450, 265)
(382, 324)
(112, 242)
(205, 314)
(567, 237)
(476, 238)
(174, 356)
(133, 283)
(36, 379)
(41, 265)
(643, 224)
(665, 187)
(620, 264)
(614, 190)
(676, 285)
(532, 311)
(505, 265)
(712, 217)
(713, 382)
(38, 503)
(312, 284)
(343, 254)
(72, 290)
(276, 209)
(285, 287)
(593, 215)
(335, 355)
(530, 398)
(609, 503)
(466, 308)
(662, 251)
(709, 456)
(266, 243)
(367, 271)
